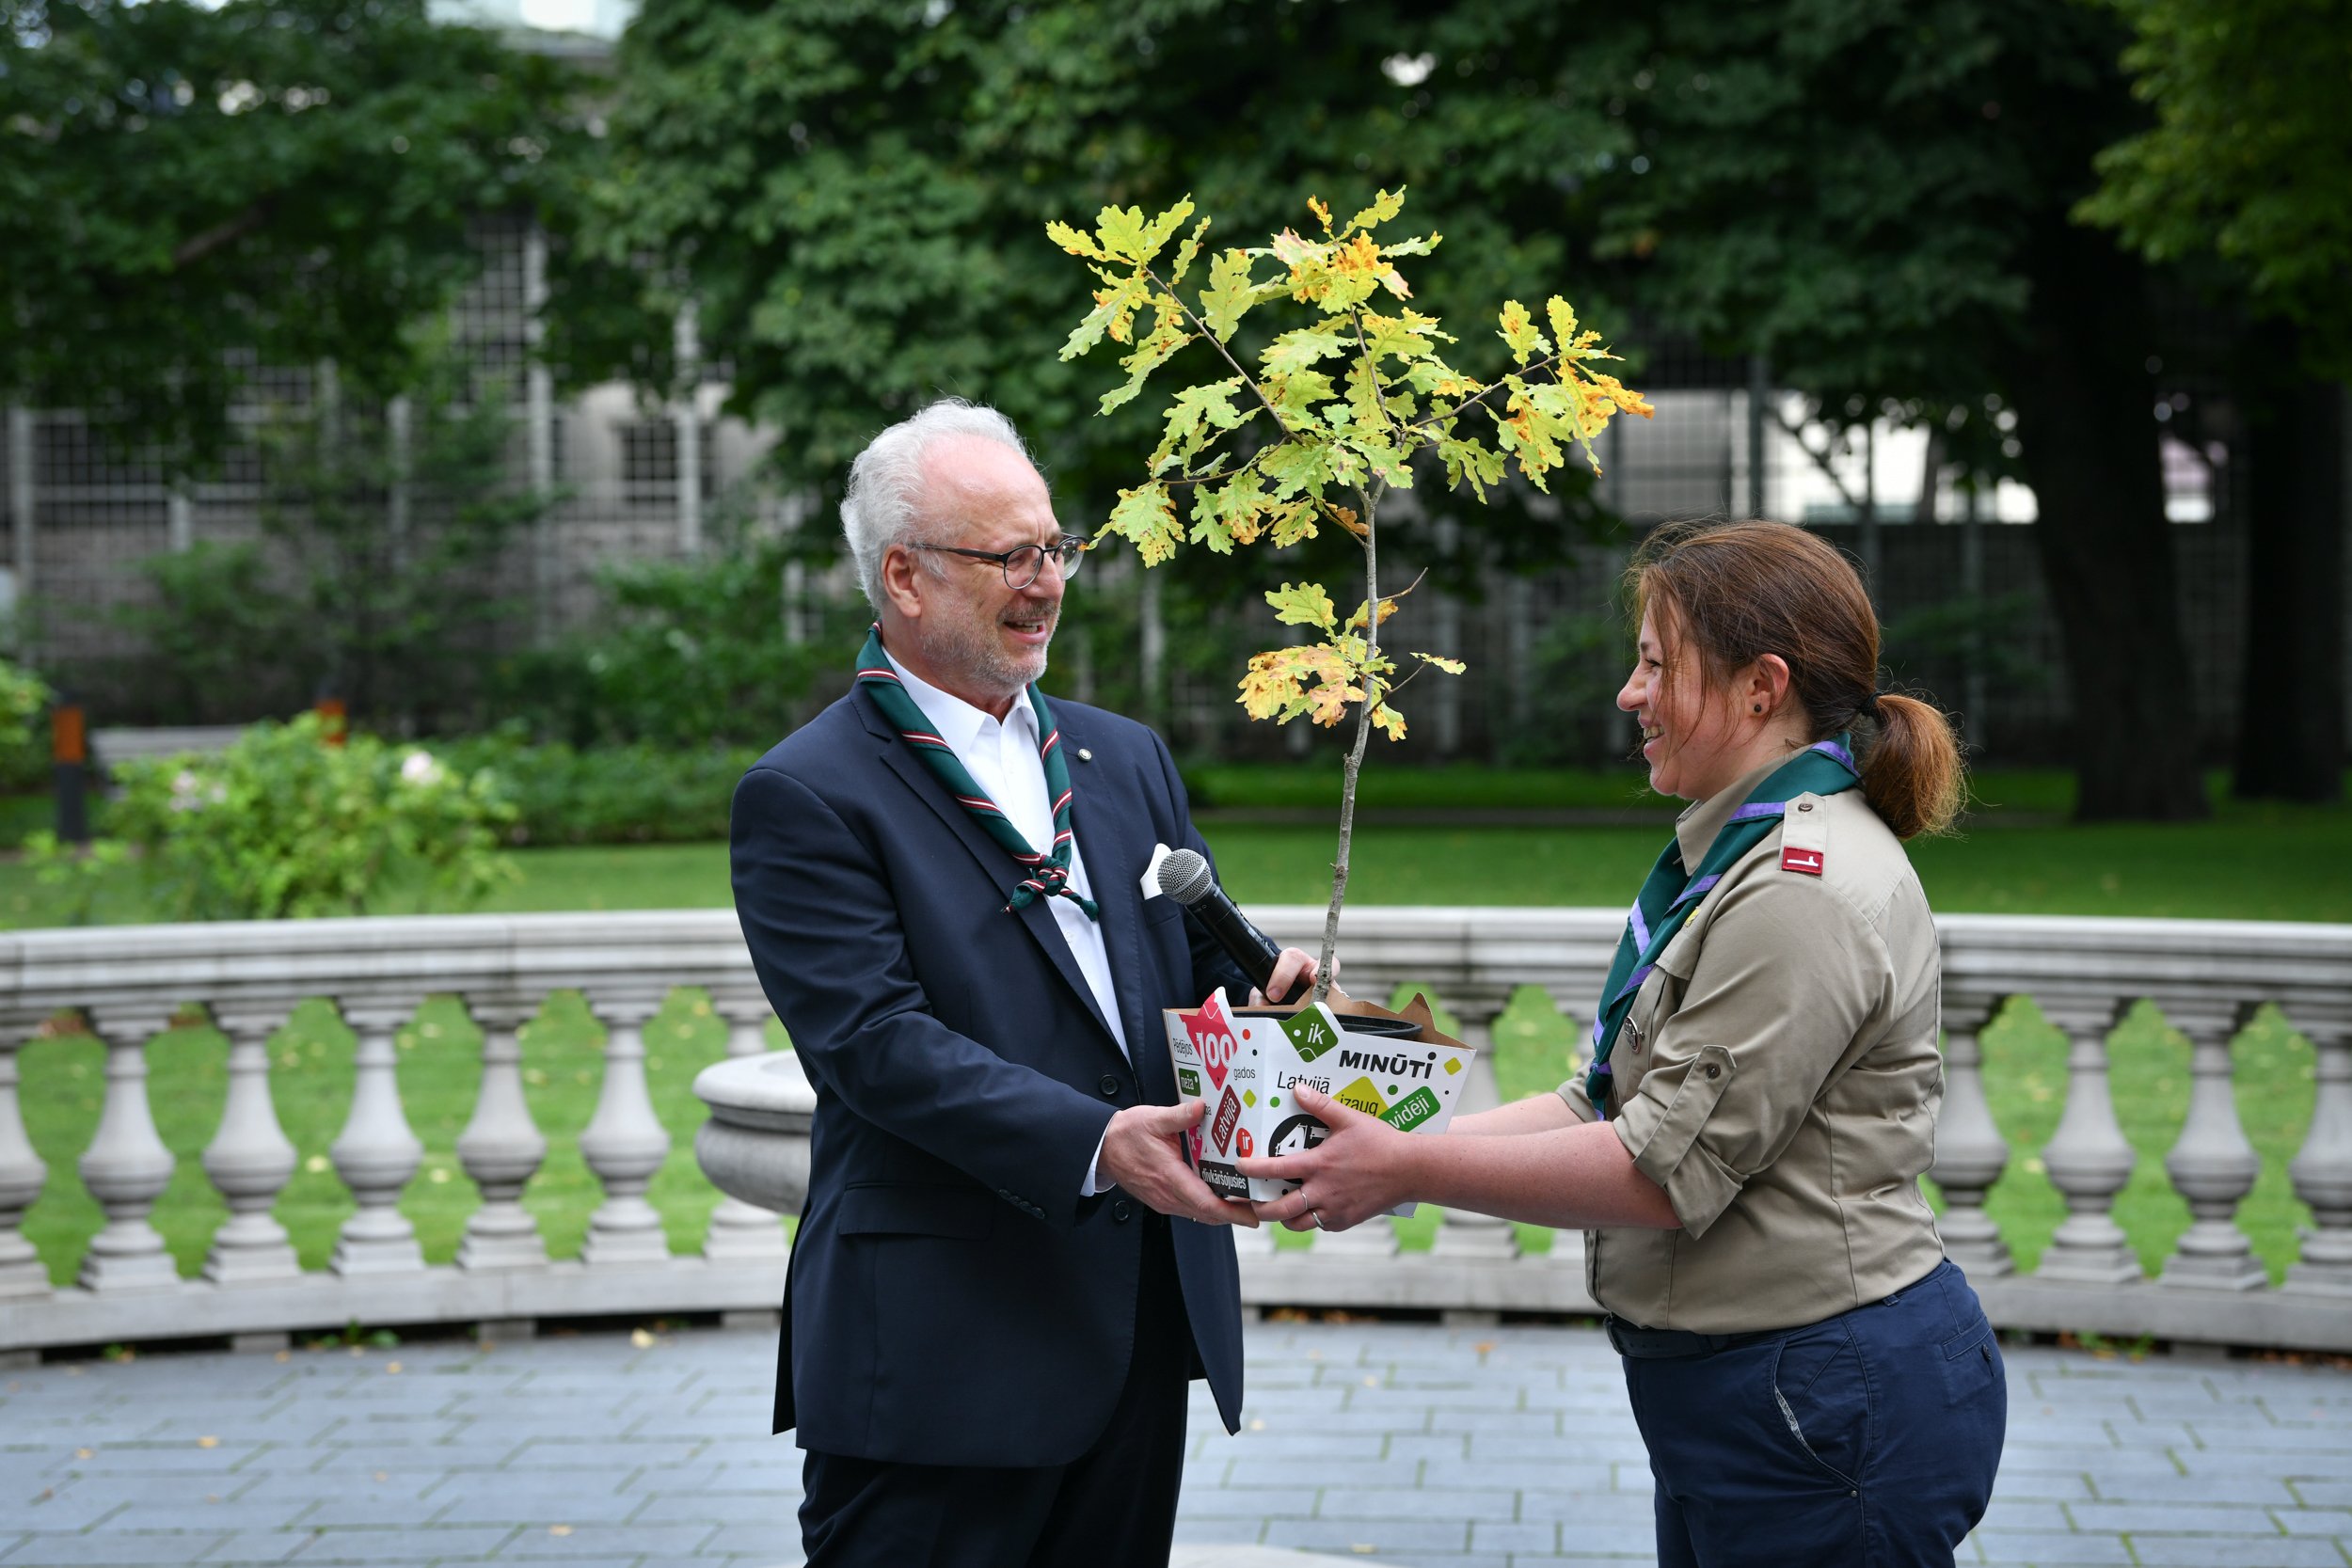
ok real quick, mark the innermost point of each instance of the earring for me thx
(1759, 708)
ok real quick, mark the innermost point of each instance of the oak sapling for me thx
(1335, 414)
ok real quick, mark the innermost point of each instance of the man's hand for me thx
(1143, 1152)
(1293, 968)
(1362, 1168)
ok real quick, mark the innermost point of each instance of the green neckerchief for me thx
(1049, 873)
(1671, 893)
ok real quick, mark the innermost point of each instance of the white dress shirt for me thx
(1002, 758)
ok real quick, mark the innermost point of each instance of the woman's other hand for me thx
(1363, 1168)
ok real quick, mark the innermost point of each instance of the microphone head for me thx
(1185, 876)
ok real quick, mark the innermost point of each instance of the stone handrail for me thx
(127, 982)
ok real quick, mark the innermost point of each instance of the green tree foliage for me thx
(1874, 195)
(1339, 410)
(1878, 195)
(2249, 165)
(375, 578)
(187, 191)
(2250, 156)
(220, 640)
(681, 654)
(393, 523)
(855, 193)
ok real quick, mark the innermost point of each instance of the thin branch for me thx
(1219, 344)
(196, 248)
(1356, 753)
(1820, 457)
(1221, 474)
(1465, 405)
(1410, 676)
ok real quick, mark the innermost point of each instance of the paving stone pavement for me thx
(1405, 1442)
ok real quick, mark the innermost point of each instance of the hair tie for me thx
(1871, 704)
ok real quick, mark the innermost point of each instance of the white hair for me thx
(881, 504)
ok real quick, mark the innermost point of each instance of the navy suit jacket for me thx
(952, 1300)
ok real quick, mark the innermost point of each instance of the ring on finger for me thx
(1316, 1216)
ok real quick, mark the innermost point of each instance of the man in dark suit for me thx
(1006, 1272)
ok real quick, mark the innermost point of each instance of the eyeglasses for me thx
(1024, 564)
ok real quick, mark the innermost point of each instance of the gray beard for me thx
(973, 650)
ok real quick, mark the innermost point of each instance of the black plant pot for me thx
(1355, 1024)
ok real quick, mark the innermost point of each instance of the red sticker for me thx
(1228, 1119)
(1807, 861)
(1242, 1144)
(1214, 1035)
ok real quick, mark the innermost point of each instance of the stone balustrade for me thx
(127, 983)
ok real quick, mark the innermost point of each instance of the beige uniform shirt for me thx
(1778, 1076)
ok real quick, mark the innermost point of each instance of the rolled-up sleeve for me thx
(1785, 980)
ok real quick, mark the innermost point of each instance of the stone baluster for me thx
(377, 1154)
(1461, 1232)
(501, 1148)
(741, 1232)
(2088, 1159)
(127, 1166)
(21, 1175)
(2213, 1164)
(249, 1159)
(625, 1142)
(2322, 1171)
(1970, 1152)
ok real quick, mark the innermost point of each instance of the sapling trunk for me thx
(1354, 763)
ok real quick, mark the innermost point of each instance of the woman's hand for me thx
(1363, 1168)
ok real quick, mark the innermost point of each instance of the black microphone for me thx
(1184, 875)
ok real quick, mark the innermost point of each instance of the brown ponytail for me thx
(1734, 592)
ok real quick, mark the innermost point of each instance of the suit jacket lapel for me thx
(994, 862)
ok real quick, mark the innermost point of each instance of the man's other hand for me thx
(1143, 1152)
(1293, 973)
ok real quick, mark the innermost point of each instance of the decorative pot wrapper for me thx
(1243, 1069)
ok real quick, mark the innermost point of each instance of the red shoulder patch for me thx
(1807, 861)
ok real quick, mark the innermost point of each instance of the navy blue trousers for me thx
(1868, 1440)
(1115, 1505)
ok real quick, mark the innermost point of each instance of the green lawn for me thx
(2249, 863)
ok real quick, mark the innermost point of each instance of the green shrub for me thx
(23, 697)
(23, 747)
(283, 824)
(638, 794)
(683, 654)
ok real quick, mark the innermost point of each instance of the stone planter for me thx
(754, 1146)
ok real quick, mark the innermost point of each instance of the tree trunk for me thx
(2084, 397)
(2291, 739)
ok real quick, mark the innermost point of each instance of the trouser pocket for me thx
(1821, 1394)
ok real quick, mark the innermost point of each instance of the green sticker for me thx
(1411, 1111)
(1189, 1081)
(1310, 1034)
